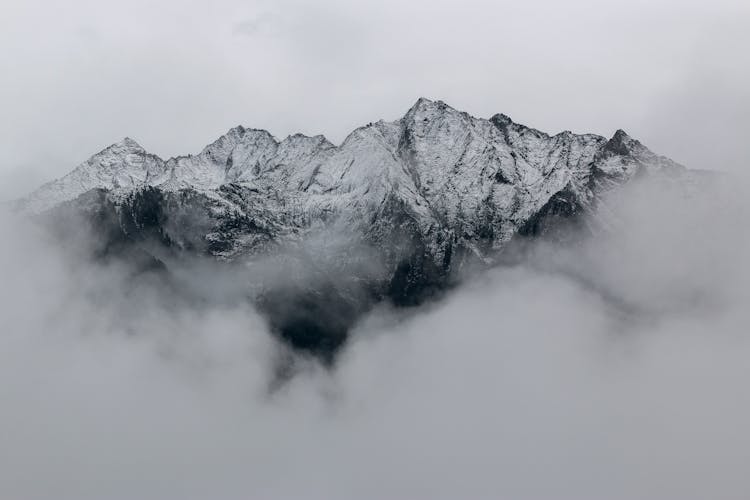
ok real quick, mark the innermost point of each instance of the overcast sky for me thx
(78, 75)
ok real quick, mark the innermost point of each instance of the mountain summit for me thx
(392, 213)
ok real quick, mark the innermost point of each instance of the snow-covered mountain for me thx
(391, 213)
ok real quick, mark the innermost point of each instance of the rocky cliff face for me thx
(393, 213)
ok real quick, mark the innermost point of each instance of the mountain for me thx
(321, 232)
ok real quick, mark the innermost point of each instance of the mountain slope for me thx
(392, 213)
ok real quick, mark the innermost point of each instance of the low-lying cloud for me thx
(615, 368)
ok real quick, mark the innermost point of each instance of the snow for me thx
(453, 171)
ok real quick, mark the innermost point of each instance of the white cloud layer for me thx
(616, 369)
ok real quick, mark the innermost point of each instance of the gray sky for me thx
(76, 76)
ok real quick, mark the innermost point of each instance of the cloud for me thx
(613, 368)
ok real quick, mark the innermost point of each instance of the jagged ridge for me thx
(418, 197)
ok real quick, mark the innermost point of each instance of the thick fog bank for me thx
(615, 369)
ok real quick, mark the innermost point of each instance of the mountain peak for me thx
(423, 104)
(501, 120)
(621, 135)
(427, 110)
(123, 147)
(621, 143)
(239, 130)
(129, 143)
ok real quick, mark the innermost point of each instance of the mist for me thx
(614, 367)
